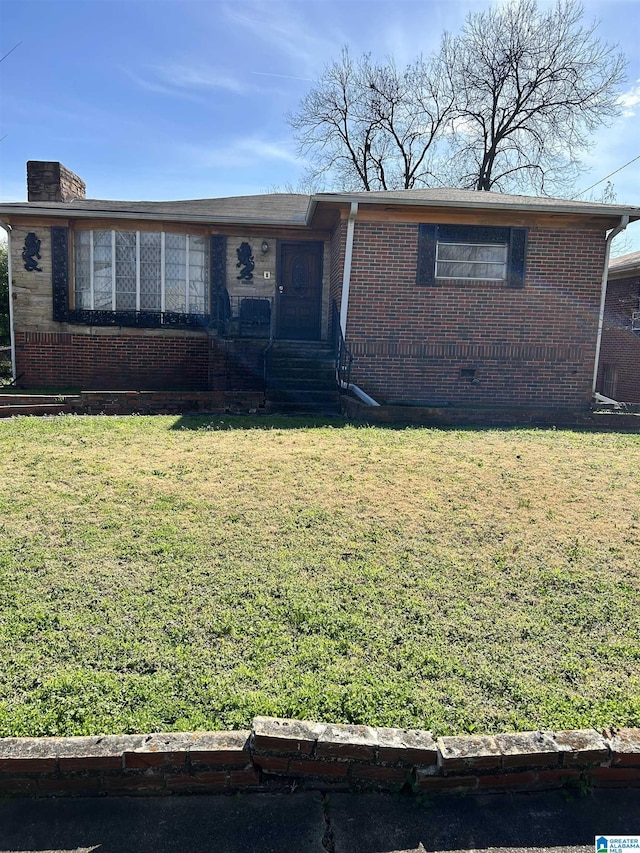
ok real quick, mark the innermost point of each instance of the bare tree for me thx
(369, 126)
(531, 86)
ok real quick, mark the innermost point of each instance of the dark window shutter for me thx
(218, 279)
(426, 270)
(517, 256)
(60, 272)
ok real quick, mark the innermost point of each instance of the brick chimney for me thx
(51, 181)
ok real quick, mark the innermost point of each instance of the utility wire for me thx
(607, 176)
(10, 51)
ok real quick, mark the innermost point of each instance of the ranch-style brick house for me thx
(435, 297)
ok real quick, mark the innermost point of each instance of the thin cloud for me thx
(157, 87)
(280, 26)
(241, 152)
(283, 76)
(629, 100)
(185, 81)
(199, 77)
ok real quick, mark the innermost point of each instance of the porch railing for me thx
(248, 317)
(344, 358)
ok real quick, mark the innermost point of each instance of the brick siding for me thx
(620, 346)
(529, 346)
(125, 361)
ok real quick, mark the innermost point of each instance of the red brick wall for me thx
(529, 346)
(132, 362)
(620, 346)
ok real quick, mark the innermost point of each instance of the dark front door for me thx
(299, 291)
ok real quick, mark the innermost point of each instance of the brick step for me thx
(303, 345)
(283, 355)
(281, 362)
(295, 383)
(303, 370)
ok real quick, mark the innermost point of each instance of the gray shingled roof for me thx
(297, 209)
(625, 263)
(271, 209)
(448, 197)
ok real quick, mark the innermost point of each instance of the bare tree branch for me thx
(531, 86)
(372, 126)
(509, 103)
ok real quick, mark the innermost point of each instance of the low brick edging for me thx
(133, 403)
(317, 754)
(622, 420)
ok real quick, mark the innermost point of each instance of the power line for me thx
(10, 51)
(608, 176)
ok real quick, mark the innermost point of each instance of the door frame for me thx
(282, 245)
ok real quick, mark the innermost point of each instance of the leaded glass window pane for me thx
(175, 260)
(82, 264)
(198, 275)
(102, 270)
(125, 271)
(150, 271)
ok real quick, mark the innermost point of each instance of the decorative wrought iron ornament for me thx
(245, 260)
(31, 253)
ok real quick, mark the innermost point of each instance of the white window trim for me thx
(137, 270)
(186, 277)
(113, 271)
(92, 297)
(163, 273)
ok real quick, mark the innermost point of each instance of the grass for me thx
(189, 573)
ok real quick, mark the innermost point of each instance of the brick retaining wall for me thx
(317, 755)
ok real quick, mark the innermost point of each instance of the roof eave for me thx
(624, 272)
(85, 213)
(632, 212)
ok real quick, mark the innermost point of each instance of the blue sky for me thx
(163, 99)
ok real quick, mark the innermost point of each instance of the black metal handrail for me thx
(344, 357)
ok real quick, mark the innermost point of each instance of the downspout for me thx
(12, 336)
(624, 221)
(344, 301)
(346, 275)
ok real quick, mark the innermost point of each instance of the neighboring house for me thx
(446, 297)
(619, 374)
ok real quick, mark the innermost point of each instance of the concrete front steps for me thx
(301, 378)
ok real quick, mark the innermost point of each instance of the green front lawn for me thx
(189, 573)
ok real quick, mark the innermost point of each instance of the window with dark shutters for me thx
(471, 253)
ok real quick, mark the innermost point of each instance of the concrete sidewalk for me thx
(309, 822)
